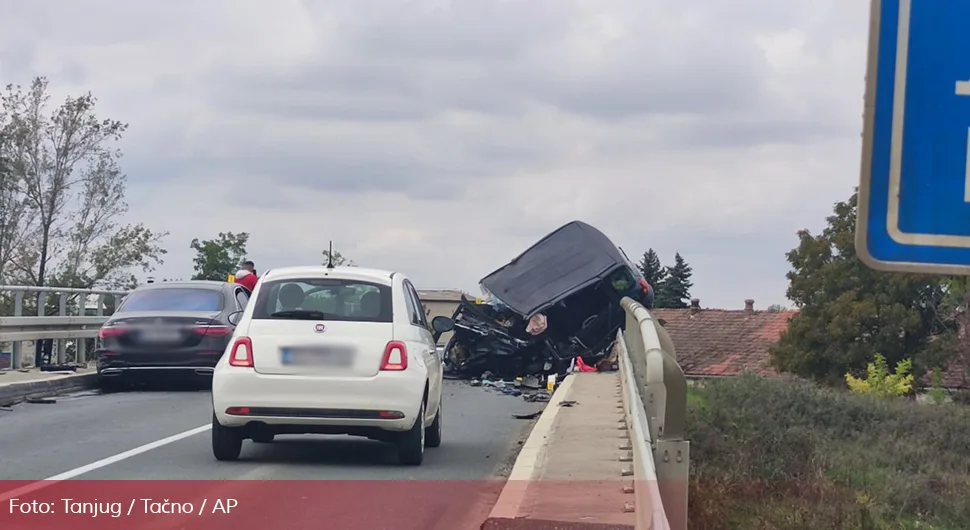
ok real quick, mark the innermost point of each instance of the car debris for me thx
(552, 310)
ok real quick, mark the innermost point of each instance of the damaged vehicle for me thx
(553, 308)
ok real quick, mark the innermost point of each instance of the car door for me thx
(427, 345)
(242, 299)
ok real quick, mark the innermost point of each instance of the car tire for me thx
(433, 437)
(263, 438)
(226, 441)
(410, 447)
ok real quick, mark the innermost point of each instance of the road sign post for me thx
(914, 191)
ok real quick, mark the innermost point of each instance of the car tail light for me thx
(213, 331)
(395, 356)
(111, 331)
(238, 411)
(644, 285)
(242, 353)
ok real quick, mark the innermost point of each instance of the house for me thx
(441, 302)
(723, 342)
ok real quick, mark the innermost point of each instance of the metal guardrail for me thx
(62, 328)
(654, 392)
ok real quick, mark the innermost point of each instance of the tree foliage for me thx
(880, 382)
(674, 290)
(651, 269)
(849, 312)
(338, 259)
(215, 259)
(62, 194)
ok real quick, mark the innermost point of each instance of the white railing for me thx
(654, 393)
(80, 313)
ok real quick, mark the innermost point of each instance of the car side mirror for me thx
(441, 324)
(235, 317)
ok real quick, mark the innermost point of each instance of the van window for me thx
(324, 299)
(622, 280)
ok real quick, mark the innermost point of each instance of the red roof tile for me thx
(720, 342)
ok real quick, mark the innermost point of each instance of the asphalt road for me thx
(75, 436)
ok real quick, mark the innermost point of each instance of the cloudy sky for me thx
(442, 138)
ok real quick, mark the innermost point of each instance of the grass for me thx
(783, 455)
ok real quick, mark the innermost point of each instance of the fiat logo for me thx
(320, 328)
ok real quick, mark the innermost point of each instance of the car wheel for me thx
(226, 441)
(433, 436)
(410, 447)
(264, 438)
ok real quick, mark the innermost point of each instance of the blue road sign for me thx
(914, 194)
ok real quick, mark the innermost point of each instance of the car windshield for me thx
(324, 299)
(173, 300)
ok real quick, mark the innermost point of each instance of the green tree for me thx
(775, 308)
(674, 290)
(216, 259)
(338, 259)
(62, 193)
(651, 268)
(849, 312)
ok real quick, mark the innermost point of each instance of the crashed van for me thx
(556, 302)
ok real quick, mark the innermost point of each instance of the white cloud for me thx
(442, 138)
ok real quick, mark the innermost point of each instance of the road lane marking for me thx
(104, 462)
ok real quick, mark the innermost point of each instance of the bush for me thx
(879, 382)
(771, 454)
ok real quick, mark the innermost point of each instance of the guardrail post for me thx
(667, 391)
(61, 343)
(16, 351)
(80, 347)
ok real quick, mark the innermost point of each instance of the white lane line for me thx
(40, 484)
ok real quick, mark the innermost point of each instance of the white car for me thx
(322, 350)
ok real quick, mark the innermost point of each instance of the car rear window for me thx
(173, 300)
(324, 299)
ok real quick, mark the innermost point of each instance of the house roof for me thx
(724, 342)
(441, 295)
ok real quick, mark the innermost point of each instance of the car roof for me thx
(321, 271)
(192, 284)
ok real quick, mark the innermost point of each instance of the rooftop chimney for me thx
(695, 305)
(749, 306)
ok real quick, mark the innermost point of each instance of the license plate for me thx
(317, 356)
(161, 335)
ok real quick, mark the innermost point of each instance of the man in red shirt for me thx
(247, 276)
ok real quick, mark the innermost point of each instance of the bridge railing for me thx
(80, 314)
(654, 391)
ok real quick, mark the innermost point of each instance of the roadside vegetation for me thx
(788, 454)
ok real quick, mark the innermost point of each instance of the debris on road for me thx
(553, 310)
(40, 401)
(569, 403)
(527, 416)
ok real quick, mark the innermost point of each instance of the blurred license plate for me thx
(160, 335)
(317, 356)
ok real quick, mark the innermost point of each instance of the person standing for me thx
(247, 276)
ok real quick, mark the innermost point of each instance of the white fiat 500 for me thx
(321, 350)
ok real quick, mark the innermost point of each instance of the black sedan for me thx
(178, 328)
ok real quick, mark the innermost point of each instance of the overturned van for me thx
(558, 300)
